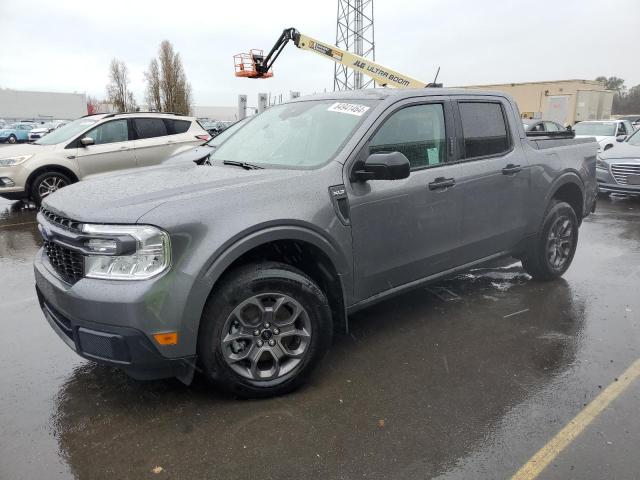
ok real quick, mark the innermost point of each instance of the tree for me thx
(118, 92)
(153, 96)
(167, 86)
(92, 105)
(613, 83)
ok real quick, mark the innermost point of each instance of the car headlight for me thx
(600, 163)
(126, 252)
(11, 161)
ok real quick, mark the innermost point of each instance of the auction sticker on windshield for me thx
(350, 108)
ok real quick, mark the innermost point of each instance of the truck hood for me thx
(191, 155)
(125, 197)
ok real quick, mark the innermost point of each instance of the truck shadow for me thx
(421, 378)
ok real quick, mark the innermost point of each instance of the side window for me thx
(551, 127)
(418, 132)
(177, 126)
(621, 129)
(150, 127)
(538, 128)
(110, 132)
(484, 129)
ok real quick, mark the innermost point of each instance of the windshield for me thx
(224, 135)
(295, 135)
(596, 129)
(66, 132)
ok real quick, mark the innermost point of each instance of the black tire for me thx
(539, 260)
(261, 281)
(12, 139)
(38, 186)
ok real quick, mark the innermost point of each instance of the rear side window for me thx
(150, 127)
(418, 132)
(176, 126)
(484, 129)
(552, 127)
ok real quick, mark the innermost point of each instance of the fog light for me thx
(167, 338)
(7, 182)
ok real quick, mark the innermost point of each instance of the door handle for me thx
(511, 169)
(171, 141)
(124, 148)
(442, 183)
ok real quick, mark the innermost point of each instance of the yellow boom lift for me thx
(256, 65)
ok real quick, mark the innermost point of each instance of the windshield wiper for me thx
(245, 165)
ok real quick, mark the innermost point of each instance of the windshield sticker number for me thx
(350, 108)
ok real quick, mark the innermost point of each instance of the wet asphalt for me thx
(464, 379)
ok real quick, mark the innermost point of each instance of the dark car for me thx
(618, 169)
(201, 153)
(537, 125)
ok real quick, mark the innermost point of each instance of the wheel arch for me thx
(301, 247)
(48, 168)
(569, 188)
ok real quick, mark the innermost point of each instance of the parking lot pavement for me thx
(468, 378)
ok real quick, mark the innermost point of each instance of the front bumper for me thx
(111, 324)
(608, 184)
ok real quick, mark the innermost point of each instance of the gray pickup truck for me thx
(244, 267)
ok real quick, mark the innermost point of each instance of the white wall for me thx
(20, 104)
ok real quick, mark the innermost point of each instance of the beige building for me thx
(564, 101)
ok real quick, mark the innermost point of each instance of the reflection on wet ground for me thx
(463, 379)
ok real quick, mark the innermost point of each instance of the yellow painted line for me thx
(575, 427)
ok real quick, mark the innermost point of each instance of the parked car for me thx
(542, 126)
(606, 132)
(618, 169)
(200, 154)
(40, 131)
(634, 119)
(92, 145)
(215, 127)
(15, 133)
(311, 211)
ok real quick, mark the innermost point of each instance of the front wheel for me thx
(46, 183)
(552, 251)
(12, 139)
(264, 330)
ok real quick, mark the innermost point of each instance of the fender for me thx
(245, 241)
(570, 176)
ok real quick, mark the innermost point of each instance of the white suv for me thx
(92, 145)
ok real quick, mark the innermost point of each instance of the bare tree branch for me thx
(118, 92)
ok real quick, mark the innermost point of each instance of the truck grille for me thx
(621, 171)
(68, 263)
(60, 221)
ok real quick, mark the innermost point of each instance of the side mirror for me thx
(384, 166)
(621, 138)
(569, 128)
(86, 141)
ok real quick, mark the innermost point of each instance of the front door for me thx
(112, 150)
(405, 230)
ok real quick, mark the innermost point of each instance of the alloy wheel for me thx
(560, 242)
(50, 184)
(266, 337)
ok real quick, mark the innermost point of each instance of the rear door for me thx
(112, 149)
(496, 177)
(405, 230)
(152, 141)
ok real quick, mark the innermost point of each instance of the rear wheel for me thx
(46, 183)
(12, 139)
(552, 251)
(264, 330)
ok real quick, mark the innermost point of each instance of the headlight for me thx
(11, 161)
(126, 252)
(600, 163)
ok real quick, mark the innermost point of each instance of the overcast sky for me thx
(67, 45)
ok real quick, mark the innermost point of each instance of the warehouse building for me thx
(26, 105)
(564, 101)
